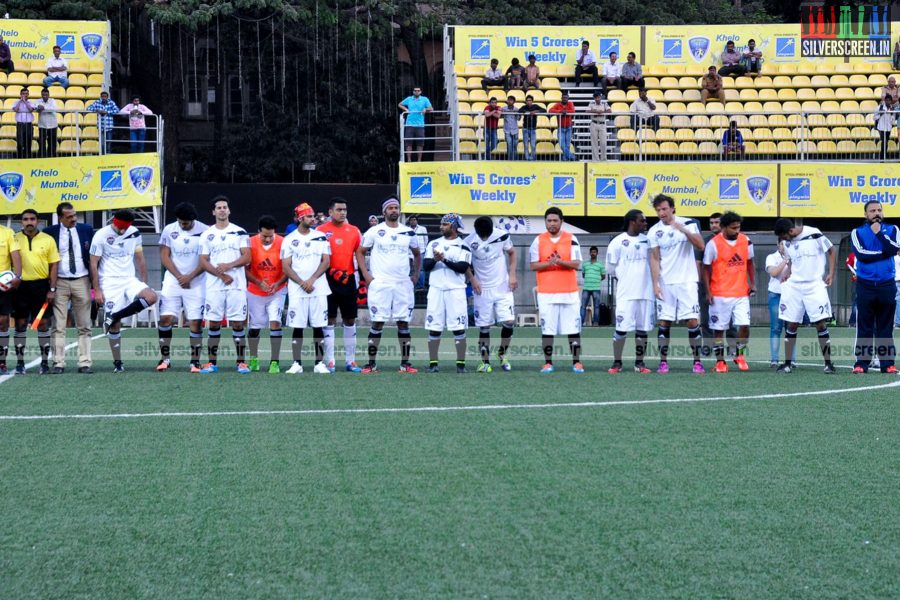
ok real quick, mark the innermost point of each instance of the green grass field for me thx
(306, 486)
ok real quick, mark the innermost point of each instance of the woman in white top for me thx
(779, 269)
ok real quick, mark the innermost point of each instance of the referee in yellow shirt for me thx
(40, 261)
(9, 260)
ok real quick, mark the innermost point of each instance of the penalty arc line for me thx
(440, 409)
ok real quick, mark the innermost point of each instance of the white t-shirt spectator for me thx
(612, 70)
(56, 63)
(47, 118)
(588, 58)
(773, 260)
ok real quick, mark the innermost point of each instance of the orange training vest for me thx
(557, 280)
(265, 264)
(729, 271)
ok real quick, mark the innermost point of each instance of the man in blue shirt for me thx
(875, 245)
(415, 107)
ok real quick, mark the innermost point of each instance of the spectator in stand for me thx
(632, 73)
(885, 119)
(136, 123)
(105, 108)
(48, 125)
(896, 60)
(732, 143)
(510, 127)
(24, 124)
(492, 114)
(642, 112)
(532, 74)
(565, 109)
(731, 62)
(6, 63)
(593, 273)
(373, 221)
(779, 269)
(598, 109)
(493, 77)
(711, 85)
(751, 59)
(585, 62)
(415, 107)
(529, 126)
(515, 76)
(612, 74)
(421, 234)
(57, 70)
(891, 89)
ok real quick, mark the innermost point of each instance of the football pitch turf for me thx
(501, 485)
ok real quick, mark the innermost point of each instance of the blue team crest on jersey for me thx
(174, 235)
(306, 244)
(211, 237)
(92, 42)
(295, 243)
(698, 46)
(381, 233)
(111, 240)
(11, 185)
(625, 243)
(758, 188)
(635, 188)
(474, 246)
(141, 178)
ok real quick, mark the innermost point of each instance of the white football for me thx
(6, 280)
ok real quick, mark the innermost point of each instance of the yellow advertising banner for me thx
(702, 45)
(837, 189)
(698, 188)
(33, 40)
(492, 188)
(476, 46)
(88, 182)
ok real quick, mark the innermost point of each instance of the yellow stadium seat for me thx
(76, 92)
(820, 81)
(810, 106)
(741, 120)
(462, 94)
(835, 120)
(7, 146)
(865, 93)
(626, 135)
(677, 107)
(675, 69)
(855, 119)
(696, 107)
(721, 120)
(466, 121)
(68, 133)
(473, 83)
(766, 148)
(3, 77)
(787, 94)
(773, 106)
(820, 133)
(519, 95)
(464, 107)
(806, 94)
(89, 133)
(630, 149)
(684, 135)
(90, 147)
(34, 91)
(868, 105)
(668, 148)
(96, 79)
(843, 68)
(668, 83)
(468, 148)
(467, 134)
(548, 69)
(688, 83)
(57, 92)
(655, 95)
(862, 133)
(743, 82)
(733, 107)
(74, 105)
(777, 121)
(877, 79)
(849, 105)
(800, 81)
(826, 147)
(708, 148)
(36, 78)
(478, 96)
(681, 121)
(762, 82)
(688, 148)
(787, 147)
(8, 131)
(753, 107)
(781, 133)
(549, 83)
(672, 95)
(620, 107)
(546, 148)
(830, 106)
(768, 95)
(691, 95)
(632, 95)
(762, 134)
(733, 95)
(700, 121)
(544, 135)
(866, 147)
(858, 80)
(78, 79)
(825, 94)
(758, 121)
(616, 96)
(16, 78)
(846, 147)
(461, 83)
(552, 95)
(749, 94)
(807, 147)
(68, 147)
(840, 133)
(536, 95)
(665, 135)
(781, 82)
(787, 68)
(703, 135)
(839, 81)
(795, 120)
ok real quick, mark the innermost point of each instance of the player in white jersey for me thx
(628, 260)
(675, 277)
(114, 251)
(224, 252)
(807, 250)
(448, 259)
(184, 283)
(493, 278)
(389, 281)
(305, 257)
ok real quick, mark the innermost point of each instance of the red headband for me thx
(121, 224)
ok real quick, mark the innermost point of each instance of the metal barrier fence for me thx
(79, 133)
(802, 136)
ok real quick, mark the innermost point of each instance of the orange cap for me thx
(303, 210)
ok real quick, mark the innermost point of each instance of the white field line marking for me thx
(37, 361)
(439, 409)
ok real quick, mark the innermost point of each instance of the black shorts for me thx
(343, 296)
(29, 297)
(6, 303)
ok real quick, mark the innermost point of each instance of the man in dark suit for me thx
(73, 285)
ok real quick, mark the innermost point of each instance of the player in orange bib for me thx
(729, 278)
(266, 290)
(344, 239)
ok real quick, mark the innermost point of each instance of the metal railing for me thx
(800, 136)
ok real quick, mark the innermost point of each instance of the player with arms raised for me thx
(224, 252)
(266, 290)
(807, 250)
(184, 284)
(390, 283)
(628, 260)
(493, 277)
(114, 251)
(675, 277)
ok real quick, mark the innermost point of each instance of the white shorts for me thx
(494, 305)
(634, 315)
(266, 309)
(446, 308)
(391, 300)
(307, 311)
(226, 304)
(809, 298)
(559, 319)
(679, 302)
(729, 311)
(173, 299)
(121, 292)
